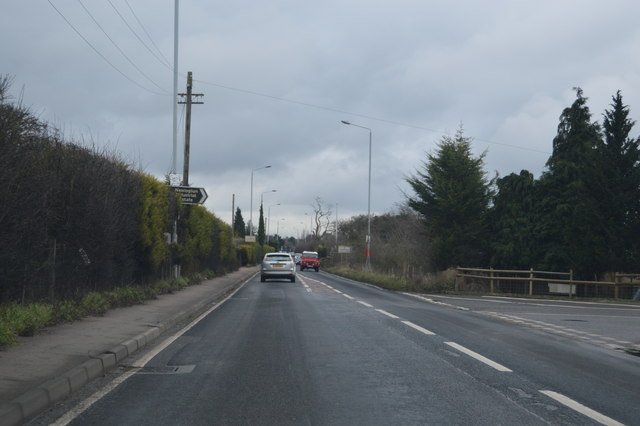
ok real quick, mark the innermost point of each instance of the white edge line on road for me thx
(390, 315)
(347, 296)
(84, 405)
(574, 405)
(420, 329)
(365, 304)
(428, 300)
(479, 357)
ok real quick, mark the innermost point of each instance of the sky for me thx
(279, 76)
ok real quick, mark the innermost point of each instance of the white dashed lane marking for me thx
(576, 406)
(390, 315)
(420, 329)
(479, 357)
(568, 402)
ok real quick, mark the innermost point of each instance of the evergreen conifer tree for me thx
(261, 231)
(452, 195)
(570, 224)
(239, 227)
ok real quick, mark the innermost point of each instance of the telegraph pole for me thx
(187, 126)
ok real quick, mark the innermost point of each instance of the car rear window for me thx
(312, 255)
(278, 257)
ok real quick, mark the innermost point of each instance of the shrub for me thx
(7, 334)
(94, 303)
(161, 287)
(17, 320)
(126, 296)
(66, 311)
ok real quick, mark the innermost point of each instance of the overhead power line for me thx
(166, 61)
(100, 54)
(138, 37)
(120, 50)
(355, 114)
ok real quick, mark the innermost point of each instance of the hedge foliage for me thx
(75, 221)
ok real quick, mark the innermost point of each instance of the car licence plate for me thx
(278, 266)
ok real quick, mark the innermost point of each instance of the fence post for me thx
(531, 282)
(571, 283)
(455, 280)
(491, 280)
(615, 286)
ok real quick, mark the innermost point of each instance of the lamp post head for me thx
(345, 122)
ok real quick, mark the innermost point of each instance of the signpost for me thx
(190, 195)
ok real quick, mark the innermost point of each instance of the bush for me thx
(385, 281)
(439, 282)
(94, 303)
(126, 296)
(17, 320)
(66, 311)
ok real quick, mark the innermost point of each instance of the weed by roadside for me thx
(440, 282)
(26, 320)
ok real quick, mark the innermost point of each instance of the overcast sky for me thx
(279, 76)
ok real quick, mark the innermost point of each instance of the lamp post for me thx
(367, 265)
(251, 201)
(278, 230)
(269, 220)
(265, 192)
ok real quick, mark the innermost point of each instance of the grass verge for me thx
(439, 282)
(26, 320)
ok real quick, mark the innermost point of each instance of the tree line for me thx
(74, 220)
(581, 214)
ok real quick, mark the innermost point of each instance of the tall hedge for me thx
(74, 220)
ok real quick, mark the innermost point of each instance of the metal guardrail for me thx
(546, 282)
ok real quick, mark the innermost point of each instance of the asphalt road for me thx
(327, 351)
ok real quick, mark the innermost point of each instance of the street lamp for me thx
(367, 265)
(251, 201)
(262, 193)
(269, 220)
(278, 226)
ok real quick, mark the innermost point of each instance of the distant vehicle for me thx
(297, 257)
(309, 260)
(278, 265)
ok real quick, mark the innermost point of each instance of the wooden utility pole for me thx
(187, 125)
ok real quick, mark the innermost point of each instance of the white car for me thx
(278, 265)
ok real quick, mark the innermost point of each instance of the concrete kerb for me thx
(35, 401)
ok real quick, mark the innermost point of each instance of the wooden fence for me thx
(531, 282)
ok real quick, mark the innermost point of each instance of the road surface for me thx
(329, 351)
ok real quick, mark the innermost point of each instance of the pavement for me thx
(41, 370)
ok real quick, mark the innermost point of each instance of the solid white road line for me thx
(417, 327)
(479, 357)
(390, 315)
(574, 405)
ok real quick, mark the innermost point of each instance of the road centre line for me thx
(576, 406)
(417, 327)
(390, 315)
(365, 304)
(479, 357)
(347, 296)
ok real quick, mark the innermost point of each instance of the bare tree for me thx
(322, 218)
